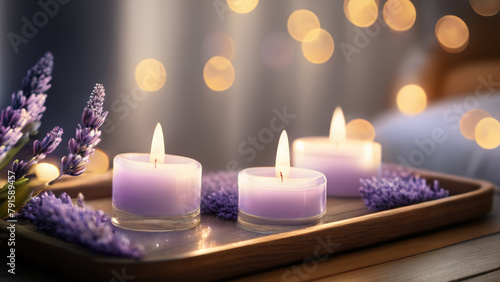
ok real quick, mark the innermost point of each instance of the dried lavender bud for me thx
(388, 193)
(219, 194)
(78, 224)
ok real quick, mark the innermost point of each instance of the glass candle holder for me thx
(270, 204)
(343, 163)
(156, 196)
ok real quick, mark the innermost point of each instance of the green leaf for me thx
(23, 192)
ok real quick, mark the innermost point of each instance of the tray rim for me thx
(485, 191)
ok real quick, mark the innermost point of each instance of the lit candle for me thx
(156, 191)
(343, 161)
(273, 199)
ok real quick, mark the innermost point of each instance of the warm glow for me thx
(337, 127)
(488, 133)
(218, 43)
(360, 129)
(411, 99)
(218, 73)
(46, 172)
(301, 22)
(362, 13)
(98, 162)
(368, 152)
(157, 154)
(485, 8)
(469, 121)
(318, 46)
(242, 6)
(399, 15)
(283, 157)
(150, 75)
(452, 33)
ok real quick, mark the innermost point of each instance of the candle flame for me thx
(157, 154)
(283, 157)
(338, 127)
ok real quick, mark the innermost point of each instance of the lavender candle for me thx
(156, 191)
(280, 198)
(343, 161)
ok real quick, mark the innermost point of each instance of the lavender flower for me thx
(40, 150)
(35, 106)
(11, 124)
(219, 194)
(38, 78)
(78, 224)
(388, 193)
(25, 111)
(87, 134)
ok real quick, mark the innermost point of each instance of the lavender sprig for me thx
(87, 135)
(219, 195)
(78, 224)
(40, 150)
(388, 193)
(38, 77)
(24, 113)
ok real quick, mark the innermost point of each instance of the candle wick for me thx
(156, 161)
(281, 175)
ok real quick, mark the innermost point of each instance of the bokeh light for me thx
(277, 50)
(469, 121)
(411, 99)
(242, 6)
(301, 22)
(488, 133)
(399, 15)
(360, 129)
(150, 75)
(217, 43)
(218, 73)
(46, 172)
(452, 33)
(485, 8)
(99, 162)
(318, 46)
(362, 13)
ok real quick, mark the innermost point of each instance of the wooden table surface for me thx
(465, 252)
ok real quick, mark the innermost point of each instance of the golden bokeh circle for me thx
(242, 6)
(400, 15)
(218, 73)
(452, 33)
(301, 22)
(488, 133)
(469, 120)
(150, 75)
(485, 8)
(318, 46)
(411, 99)
(362, 13)
(99, 162)
(360, 129)
(46, 172)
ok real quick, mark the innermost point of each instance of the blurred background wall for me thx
(104, 41)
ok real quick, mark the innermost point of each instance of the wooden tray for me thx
(218, 249)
